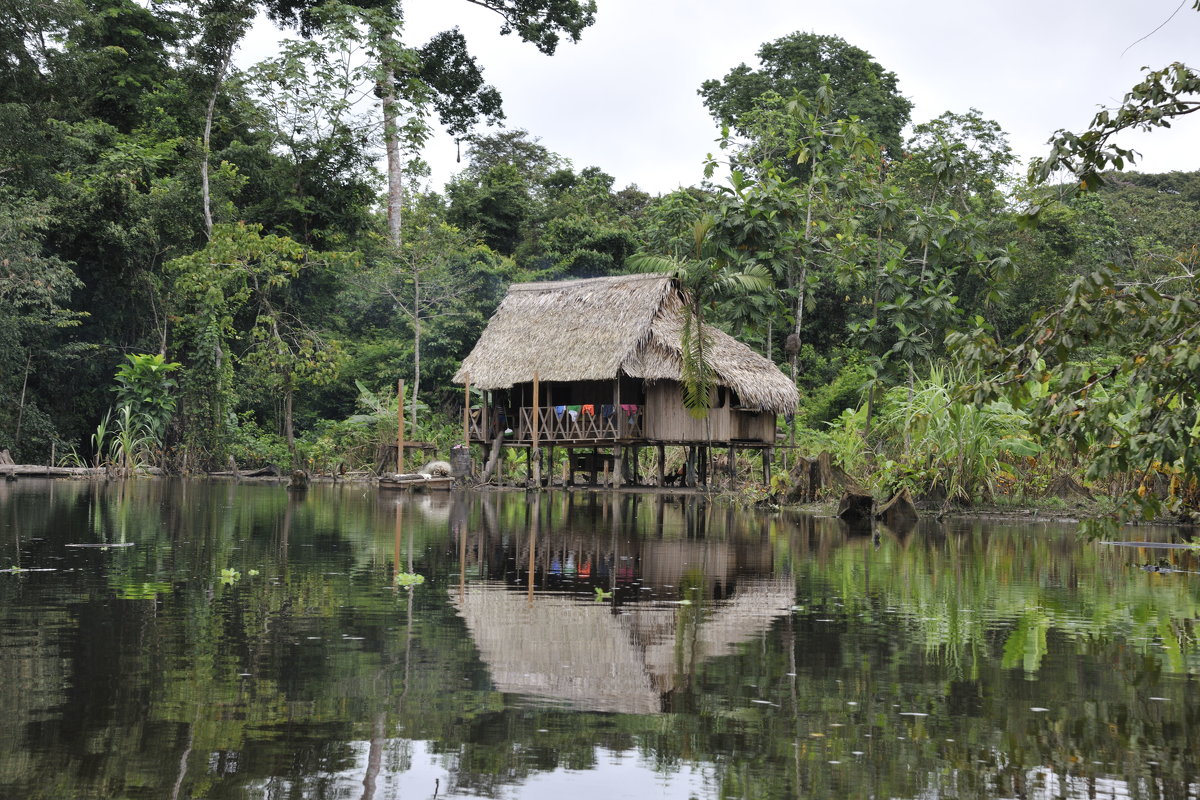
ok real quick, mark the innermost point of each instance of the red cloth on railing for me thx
(629, 409)
(589, 410)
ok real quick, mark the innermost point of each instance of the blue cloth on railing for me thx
(559, 411)
(608, 412)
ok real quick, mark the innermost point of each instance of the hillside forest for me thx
(200, 262)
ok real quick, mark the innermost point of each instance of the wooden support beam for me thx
(662, 463)
(399, 427)
(535, 453)
(467, 412)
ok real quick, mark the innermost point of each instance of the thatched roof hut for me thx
(600, 329)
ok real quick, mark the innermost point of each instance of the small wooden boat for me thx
(415, 480)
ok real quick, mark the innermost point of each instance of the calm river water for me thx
(235, 642)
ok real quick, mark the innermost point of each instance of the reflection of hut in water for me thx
(580, 653)
(611, 546)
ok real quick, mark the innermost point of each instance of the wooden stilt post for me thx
(766, 464)
(662, 463)
(570, 469)
(399, 427)
(732, 464)
(467, 413)
(535, 453)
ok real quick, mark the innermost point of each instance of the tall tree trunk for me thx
(205, 192)
(391, 136)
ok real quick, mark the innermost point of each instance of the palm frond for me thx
(696, 374)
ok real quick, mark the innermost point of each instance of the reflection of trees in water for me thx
(973, 626)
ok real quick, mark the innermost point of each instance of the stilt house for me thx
(597, 362)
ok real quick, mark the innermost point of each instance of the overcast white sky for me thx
(624, 98)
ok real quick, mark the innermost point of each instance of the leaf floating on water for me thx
(252, 572)
(409, 579)
(1039, 709)
(765, 703)
(913, 714)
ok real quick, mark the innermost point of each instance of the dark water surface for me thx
(245, 644)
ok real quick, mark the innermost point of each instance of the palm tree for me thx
(707, 273)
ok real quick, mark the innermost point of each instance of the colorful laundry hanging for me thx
(588, 410)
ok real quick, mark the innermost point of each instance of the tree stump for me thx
(899, 513)
(855, 506)
(1067, 488)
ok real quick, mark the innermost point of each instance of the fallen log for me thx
(42, 471)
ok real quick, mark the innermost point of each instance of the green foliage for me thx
(144, 386)
(707, 273)
(966, 447)
(1148, 426)
(827, 400)
(251, 446)
(798, 63)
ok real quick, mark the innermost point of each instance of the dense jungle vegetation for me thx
(199, 262)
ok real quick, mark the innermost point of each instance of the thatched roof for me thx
(598, 328)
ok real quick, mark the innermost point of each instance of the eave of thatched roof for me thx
(598, 328)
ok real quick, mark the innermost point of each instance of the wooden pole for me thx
(399, 427)
(662, 463)
(467, 412)
(535, 454)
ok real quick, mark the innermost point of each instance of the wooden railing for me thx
(479, 428)
(585, 423)
(581, 423)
